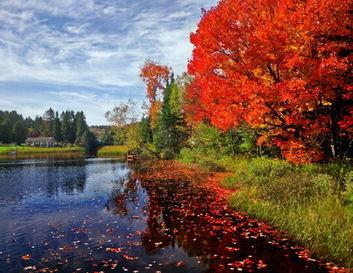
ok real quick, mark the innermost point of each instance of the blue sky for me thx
(86, 54)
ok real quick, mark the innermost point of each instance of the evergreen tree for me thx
(164, 136)
(49, 120)
(68, 127)
(145, 130)
(57, 128)
(81, 126)
(38, 124)
(65, 127)
(19, 132)
(5, 132)
(89, 141)
(171, 130)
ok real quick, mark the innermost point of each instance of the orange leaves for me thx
(280, 66)
(156, 77)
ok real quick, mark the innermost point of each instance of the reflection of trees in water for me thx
(20, 181)
(192, 218)
(123, 192)
(74, 180)
(172, 214)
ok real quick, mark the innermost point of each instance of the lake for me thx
(87, 215)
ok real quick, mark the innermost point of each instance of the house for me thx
(40, 141)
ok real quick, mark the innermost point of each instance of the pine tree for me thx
(5, 132)
(89, 141)
(57, 128)
(65, 127)
(49, 119)
(19, 132)
(164, 136)
(145, 130)
(81, 126)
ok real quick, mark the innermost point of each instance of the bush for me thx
(167, 154)
(187, 156)
(269, 167)
(211, 166)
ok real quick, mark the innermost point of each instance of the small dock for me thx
(132, 157)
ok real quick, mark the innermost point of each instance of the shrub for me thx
(187, 155)
(211, 166)
(269, 167)
(167, 154)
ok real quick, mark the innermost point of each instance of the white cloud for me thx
(93, 43)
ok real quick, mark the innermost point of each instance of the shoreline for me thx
(211, 180)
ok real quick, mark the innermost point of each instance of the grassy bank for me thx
(5, 150)
(114, 150)
(307, 201)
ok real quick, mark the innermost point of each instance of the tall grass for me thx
(304, 201)
(114, 150)
(4, 150)
(308, 201)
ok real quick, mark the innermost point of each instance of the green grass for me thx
(39, 150)
(306, 201)
(116, 150)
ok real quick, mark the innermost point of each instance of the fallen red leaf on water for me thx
(261, 264)
(114, 249)
(130, 258)
(26, 257)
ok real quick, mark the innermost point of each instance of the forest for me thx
(67, 128)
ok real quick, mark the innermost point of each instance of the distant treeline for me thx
(68, 127)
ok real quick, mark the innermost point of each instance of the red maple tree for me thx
(156, 77)
(284, 67)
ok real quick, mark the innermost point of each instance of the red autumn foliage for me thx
(155, 76)
(284, 67)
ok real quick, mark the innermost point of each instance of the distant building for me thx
(40, 141)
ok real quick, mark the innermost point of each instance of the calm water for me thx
(86, 215)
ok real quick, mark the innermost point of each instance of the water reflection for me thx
(87, 215)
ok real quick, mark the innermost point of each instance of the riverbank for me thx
(221, 183)
(308, 201)
(25, 150)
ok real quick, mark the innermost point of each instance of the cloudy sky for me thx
(86, 54)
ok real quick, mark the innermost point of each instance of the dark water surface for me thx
(86, 215)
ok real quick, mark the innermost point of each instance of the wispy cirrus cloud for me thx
(89, 45)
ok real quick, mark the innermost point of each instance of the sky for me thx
(86, 54)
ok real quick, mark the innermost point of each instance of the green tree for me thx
(57, 128)
(38, 124)
(145, 130)
(81, 126)
(107, 138)
(68, 127)
(134, 138)
(170, 132)
(49, 120)
(5, 132)
(89, 141)
(19, 132)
